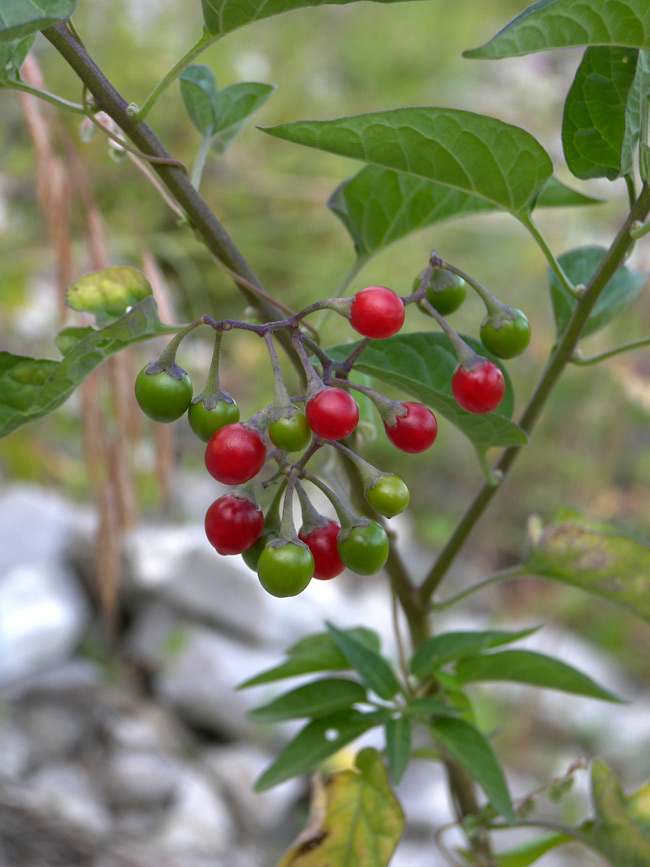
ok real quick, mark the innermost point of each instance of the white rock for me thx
(66, 791)
(15, 754)
(140, 779)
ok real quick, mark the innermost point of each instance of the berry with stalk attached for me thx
(233, 524)
(377, 312)
(446, 291)
(507, 334)
(322, 542)
(285, 569)
(332, 413)
(389, 496)
(364, 549)
(160, 394)
(290, 434)
(414, 432)
(235, 454)
(207, 416)
(479, 388)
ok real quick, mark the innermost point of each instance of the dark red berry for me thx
(235, 454)
(479, 390)
(233, 524)
(322, 544)
(332, 413)
(377, 312)
(414, 432)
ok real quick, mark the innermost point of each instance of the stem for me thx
(504, 575)
(47, 96)
(527, 221)
(561, 356)
(343, 285)
(197, 49)
(462, 788)
(594, 359)
(492, 304)
(199, 160)
(639, 231)
(281, 399)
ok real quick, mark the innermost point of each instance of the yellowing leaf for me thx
(108, 294)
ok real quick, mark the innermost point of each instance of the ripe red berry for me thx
(332, 413)
(235, 454)
(377, 312)
(233, 524)
(322, 544)
(479, 390)
(414, 432)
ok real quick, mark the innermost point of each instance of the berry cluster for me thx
(236, 452)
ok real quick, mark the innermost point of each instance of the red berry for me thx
(322, 544)
(332, 413)
(235, 454)
(377, 312)
(414, 432)
(479, 390)
(233, 524)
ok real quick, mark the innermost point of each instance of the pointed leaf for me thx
(358, 824)
(579, 266)
(12, 57)
(318, 740)
(500, 163)
(531, 851)
(398, 746)
(223, 16)
(562, 23)
(555, 194)
(535, 669)
(313, 653)
(108, 294)
(19, 18)
(428, 707)
(615, 835)
(238, 101)
(311, 700)
(600, 558)
(199, 93)
(374, 670)
(443, 648)
(472, 750)
(421, 365)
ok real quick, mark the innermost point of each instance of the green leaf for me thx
(199, 92)
(378, 206)
(448, 646)
(32, 387)
(529, 852)
(12, 57)
(615, 834)
(421, 365)
(595, 114)
(360, 823)
(579, 265)
(428, 707)
(223, 16)
(236, 102)
(562, 23)
(314, 699)
(598, 557)
(108, 294)
(68, 338)
(495, 161)
(19, 18)
(535, 669)
(472, 750)
(398, 746)
(314, 743)
(314, 653)
(374, 670)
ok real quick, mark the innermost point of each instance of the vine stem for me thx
(527, 221)
(45, 95)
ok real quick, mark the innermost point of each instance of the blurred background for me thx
(122, 634)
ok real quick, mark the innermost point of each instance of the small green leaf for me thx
(531, 851)
(421, 364)
(535, 669)
(374, 670)
(472, 750)
(428, 707)
(108, 294)
(19, 18)
(314, 743)
(448, 646)
(12, 57)
(398, 746)
(199, 93)
(579, 265)
(555, 194)
(598, 557)
(360, 823)
(311, 654)
(562, 23)
(314, 699)
(614, 833)
(68, 338)
(493, 160)
(236, 102)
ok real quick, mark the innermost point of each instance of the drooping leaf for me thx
(596, 137)
(530, 667)
(472, 750)
(374, 670)
(531, 851)
(398, 746)
(311, 654)
(198, 87)
(314, 743)
(448, 646)
(614, 833)
(108, 294)
(20, 18)
(68, 337)
(314, 699)
(223, 16)
(598, 557)
(580, 265)
(421, 365)
(563, 23)
(32, 387)
(357, 822)
(495, 161)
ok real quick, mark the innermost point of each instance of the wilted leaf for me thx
(108, 294)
